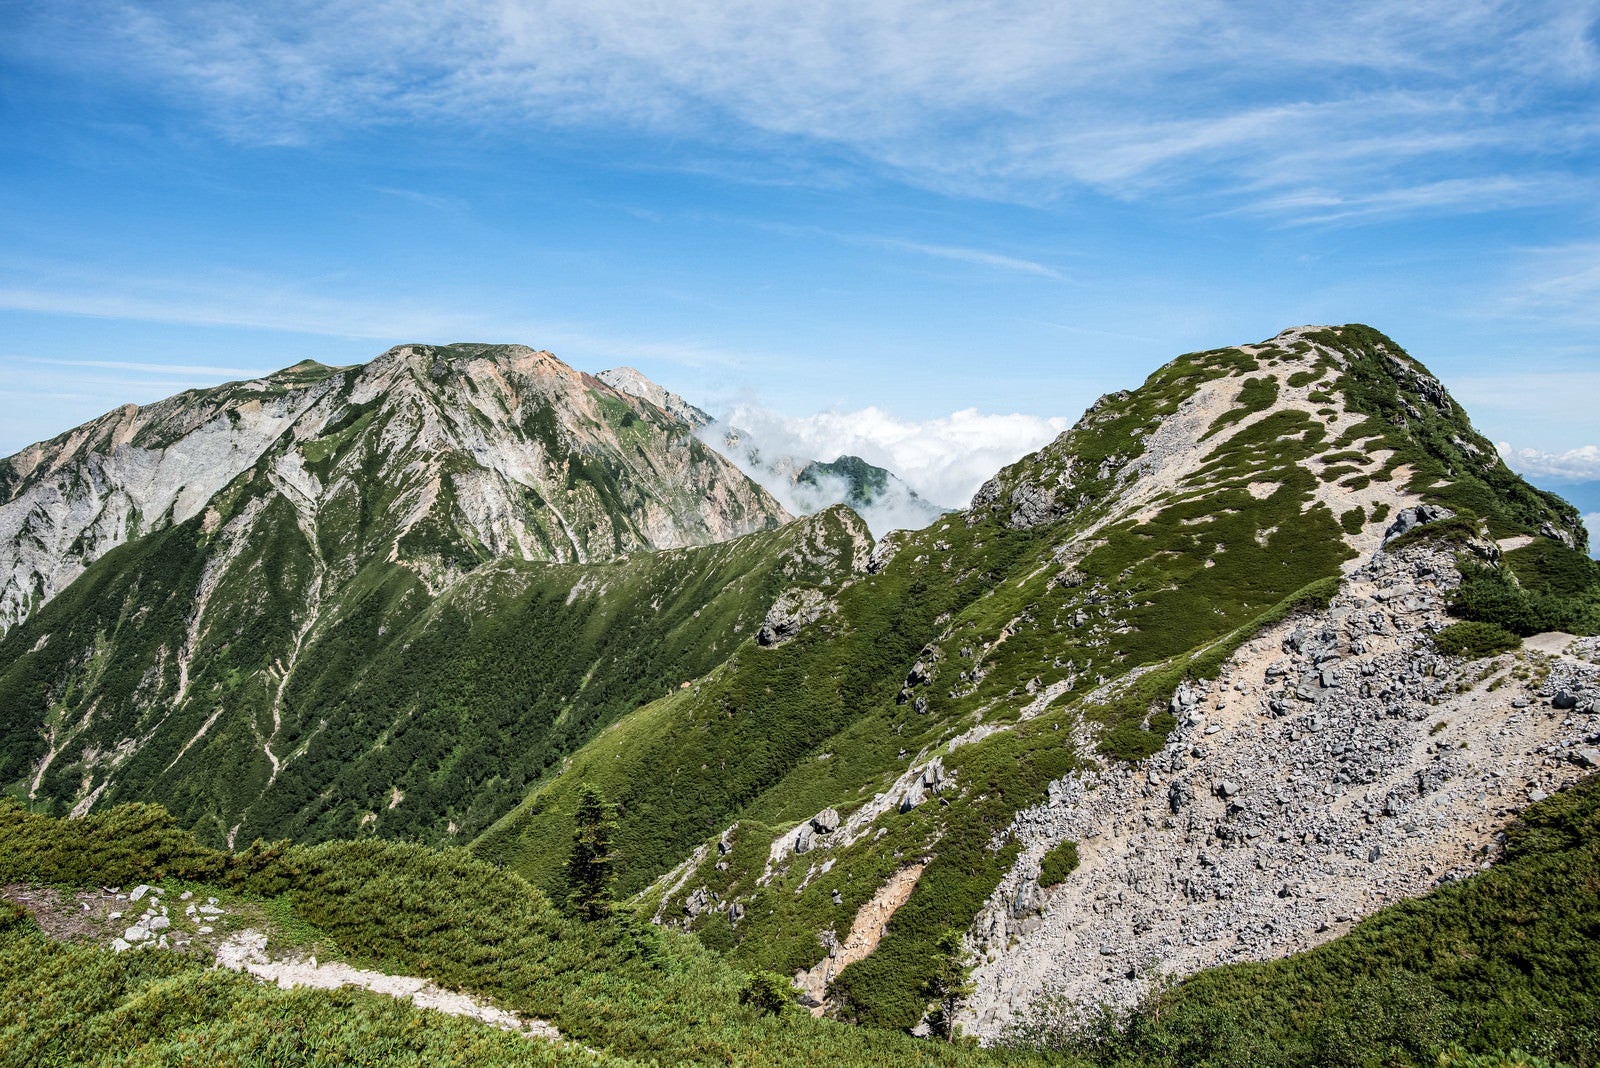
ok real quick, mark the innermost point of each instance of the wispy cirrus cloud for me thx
(1371, 109)
(975, 256)
(181, 370)
(265, 302)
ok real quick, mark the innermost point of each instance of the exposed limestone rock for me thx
(632, 382)
(1340, 766)
(1411, 518)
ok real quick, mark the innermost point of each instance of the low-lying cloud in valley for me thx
(1580, 464)
(944, 459)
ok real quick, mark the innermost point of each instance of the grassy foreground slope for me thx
(1506, 960)
(1056, 616)
(628, 989)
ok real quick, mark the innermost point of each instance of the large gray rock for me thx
(1032, 506)
(1411, 518)
(826, 821)
(912, 798)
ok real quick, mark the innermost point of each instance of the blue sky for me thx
(887, 212)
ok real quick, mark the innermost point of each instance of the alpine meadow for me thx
(1250, 721)
(792, 533)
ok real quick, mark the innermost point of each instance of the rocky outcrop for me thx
(793, 611)
(1408, 519)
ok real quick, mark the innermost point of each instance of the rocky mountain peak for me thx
(476, 451)
(1361, 427)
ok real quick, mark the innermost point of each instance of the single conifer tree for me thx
(950, 985)
(589, 869)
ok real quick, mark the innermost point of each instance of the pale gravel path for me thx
(246, 951)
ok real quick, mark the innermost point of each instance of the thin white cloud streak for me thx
(1566, 396)
(427, 200)
(248, 307)
(944, 459)
(266, 303)
(977, 257)
(1244, 100)
(179, 369)
(1469, 195)
(1558, 281)
(1581, 464)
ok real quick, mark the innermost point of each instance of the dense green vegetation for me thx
(1059, 863)
(415, 714)
(626, 988)
(1473, 639)
(1527, 601)
(1509, 959)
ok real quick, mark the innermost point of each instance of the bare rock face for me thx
(64, 503)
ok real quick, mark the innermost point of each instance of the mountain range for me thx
(1260, 649)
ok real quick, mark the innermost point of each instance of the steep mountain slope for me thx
(873, 768)
(254, 657)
